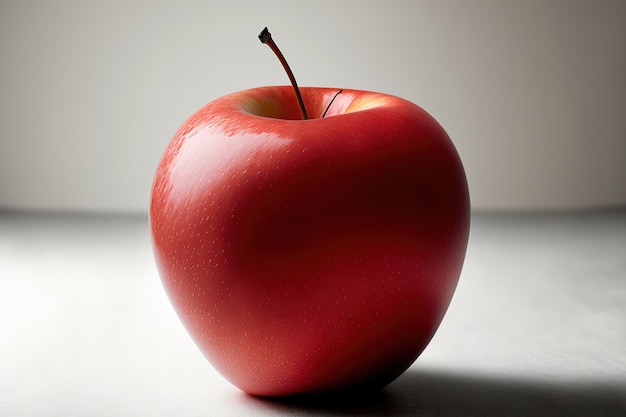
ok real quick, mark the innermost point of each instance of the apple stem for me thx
(266, 37)
(331, 102)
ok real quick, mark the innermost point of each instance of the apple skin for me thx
(308, 256)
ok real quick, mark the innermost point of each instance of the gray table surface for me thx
(537, 327)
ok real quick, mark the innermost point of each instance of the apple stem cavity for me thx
(266, 37)
(331, 102)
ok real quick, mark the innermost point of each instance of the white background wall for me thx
(533, 93)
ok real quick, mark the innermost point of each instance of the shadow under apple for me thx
(432, 393)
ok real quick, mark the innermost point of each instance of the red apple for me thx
(310, 255)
